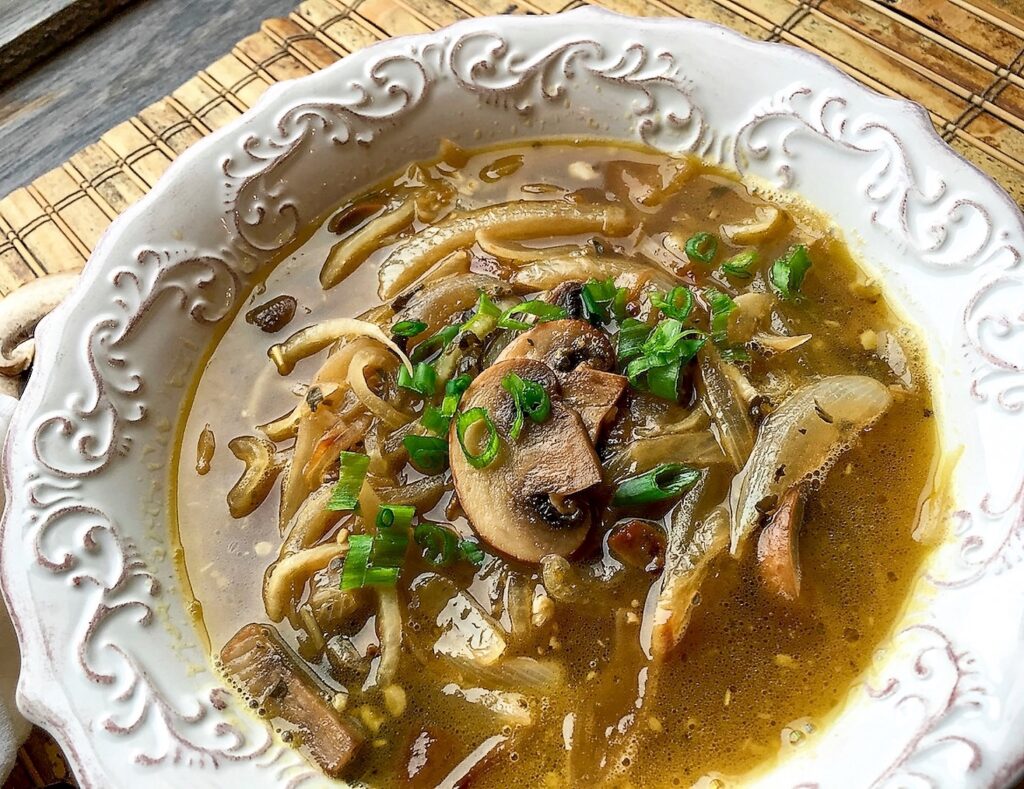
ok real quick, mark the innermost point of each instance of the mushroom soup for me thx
(579, 463)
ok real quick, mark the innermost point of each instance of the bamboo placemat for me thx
(962, 59)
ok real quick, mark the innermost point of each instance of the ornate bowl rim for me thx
(972, 230)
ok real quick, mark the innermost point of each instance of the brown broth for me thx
(753, 676)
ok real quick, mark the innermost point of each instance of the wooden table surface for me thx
(72, 69)
(110, 72)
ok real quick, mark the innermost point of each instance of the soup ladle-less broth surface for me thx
(576, 463)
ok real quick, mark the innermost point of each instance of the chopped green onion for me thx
(663, 482)
(408, 328)
(530, 399)
(453, 391)
(484, 306)
(631, 338)
(440, 544)
(352, 468)
(423, 379)
(485, 319)
(377, 560)
(490, 451)
(788, 271)
(701, 247)
(434, 343)
(435, 420)
(427, 454)
(721, 306)
(663, 381)
(677, 303)
(540, 309)
(397, 515)
(739, 264)
(357, 561)
(619, 304)
(662, 356)
(471, 552)
(597, 297)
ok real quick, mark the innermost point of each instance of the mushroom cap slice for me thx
(518, 504)
(579, 354)
(563, 345)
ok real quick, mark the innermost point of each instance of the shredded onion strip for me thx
(371, 357)
(635, 277)
(411, 258)
(315, 338)
(286, 577)
(347, 255)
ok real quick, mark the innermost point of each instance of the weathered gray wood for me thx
(32, 29)
(134, 58)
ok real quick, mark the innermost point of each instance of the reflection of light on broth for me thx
(753, 675)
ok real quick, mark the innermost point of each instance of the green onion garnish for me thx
(530, 399)
(408, 328)
(663, 381)
(435, 420)
(597, 297)
(540, 309)
(423, 379)
(453, 391)
(485, 318)
(677, 303)
(619, 304)
(663, 355)
(788, 271)
(440, 544)
(434, 343)
(739, 265)
(357, 561)
(701, 247)
(376, 560)
(663, 482)
(721, 306)
(352, 468)
(490, 451)
(631, 338)
(398, 515)
(471, 552)
(427, 454)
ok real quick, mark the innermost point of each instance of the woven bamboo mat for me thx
(962, 59)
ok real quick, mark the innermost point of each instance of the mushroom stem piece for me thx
(21, 310)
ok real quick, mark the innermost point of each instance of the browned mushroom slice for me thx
(778, 558)
(271, 675)
(563, 346)
(579, 354)
(593, 394)
(522, 502)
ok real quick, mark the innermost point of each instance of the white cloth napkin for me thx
(13, 727)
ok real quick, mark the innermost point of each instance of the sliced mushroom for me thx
(594, 395)
(276, 680)
(521, 503)
(778, 559)
(579, 354)
(21, 310)
(262, 465)
(563, 346)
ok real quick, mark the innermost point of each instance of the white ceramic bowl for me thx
(112, 665)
